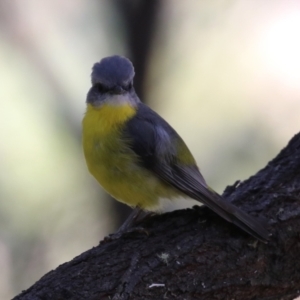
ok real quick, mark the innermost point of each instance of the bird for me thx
(137, 157)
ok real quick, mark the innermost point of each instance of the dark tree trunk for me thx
(140, 21)
(194, 254)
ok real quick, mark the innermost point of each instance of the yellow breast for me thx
(101, 136)
(112, 162)
(105, 119)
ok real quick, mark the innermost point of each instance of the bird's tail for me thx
(233, 214)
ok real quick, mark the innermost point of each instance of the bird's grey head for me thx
(112, 80)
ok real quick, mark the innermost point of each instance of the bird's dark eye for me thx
(101, 88)
(129, 86)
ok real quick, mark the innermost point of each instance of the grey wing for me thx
(154, 142)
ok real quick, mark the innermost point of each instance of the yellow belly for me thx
(114, 164)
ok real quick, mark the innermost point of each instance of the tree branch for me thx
(193, 253)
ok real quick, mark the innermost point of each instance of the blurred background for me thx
(225, 74)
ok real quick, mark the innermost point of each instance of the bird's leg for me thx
(136, 216)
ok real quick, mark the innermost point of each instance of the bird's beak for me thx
(118, 90)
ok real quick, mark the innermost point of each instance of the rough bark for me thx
(194, 254)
